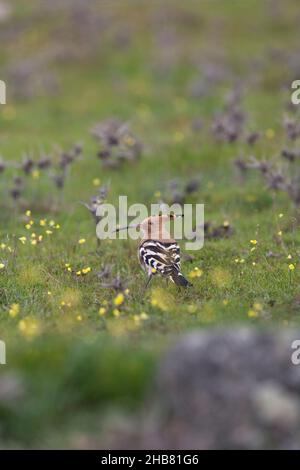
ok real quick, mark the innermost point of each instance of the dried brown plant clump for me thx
(117, 143)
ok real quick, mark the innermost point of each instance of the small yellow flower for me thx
(226, 223)
(49, 232)
(257, 306)
(291, 267)
(289, 256)
(126, 291)
(253, 242)
(86, 270)
(102, 311)
(252, 313)
(116, 312)
(81, 241)
(253, 249)
(28, 213)
(33, 242)
(23, 240)
(144, 316)
(153, 270)
(96, 182)
(236, 260)
(35, 174)
(2, 246)
(279, 233)
(49, 292)
(119, 299)
(280, 216)
(57, 226)
(78, 273)
(29, 327)
(196, 272)
(242, 260)
(253, 263)
(14, 310)
(31, 222)
(28, 226)
(51, 223)
(192, 308)
(2, 266)
(79, 318)
(33, 235)
(270, 134)
(43, 222)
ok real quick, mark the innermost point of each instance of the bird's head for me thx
(154, 226)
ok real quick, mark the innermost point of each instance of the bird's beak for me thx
(126, 228)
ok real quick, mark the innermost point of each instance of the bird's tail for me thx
(180, 280)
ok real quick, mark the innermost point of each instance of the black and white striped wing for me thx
(161, 257)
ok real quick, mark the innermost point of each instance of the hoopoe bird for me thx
(158, 253)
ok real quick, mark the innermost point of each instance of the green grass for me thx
(74, 364)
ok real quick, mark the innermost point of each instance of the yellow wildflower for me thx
(192, 308)
(196, 272)
(257, 306)
(86, 270)
(43, 222)
(29, 327)
(96, 182)
(2, 246)
(119, 299)
(102, 311)
(81, 241)
(291, 267)
(252, 313)
(28, 213)
(14, 310)
(253, 242)
(116, 312)
(270, 134)
(2, 266)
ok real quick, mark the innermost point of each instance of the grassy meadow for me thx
(204, 86)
